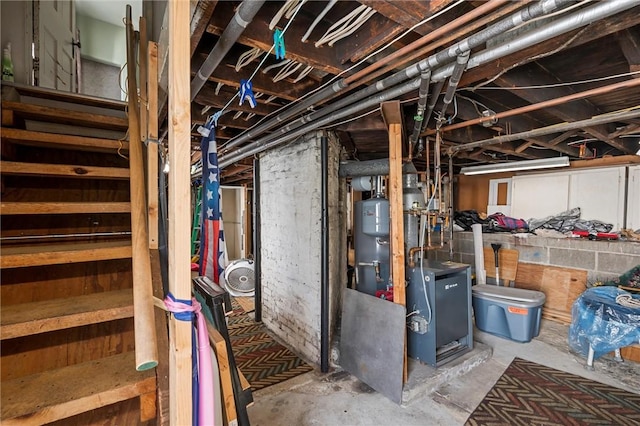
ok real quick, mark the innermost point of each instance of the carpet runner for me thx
(531, 394)
(262, 360)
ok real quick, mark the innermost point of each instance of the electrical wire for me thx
(360, 62)
(549, 86)
(264, 58)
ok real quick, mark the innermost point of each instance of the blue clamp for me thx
(278, 44)
(246, 93)
(215, 117)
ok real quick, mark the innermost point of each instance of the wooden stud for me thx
(179, 120)
(220, 348)
(152, 146)
(146, 342)
(393, 118)
(148, 406)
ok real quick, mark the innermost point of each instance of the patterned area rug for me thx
(532, 394)
(262, 360)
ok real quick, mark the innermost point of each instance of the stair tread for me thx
(62, 170)
(53, 94)
(52, 254)
(65, 116)
(40, 207)
(62, 393)
(40, 317)
(59, 140)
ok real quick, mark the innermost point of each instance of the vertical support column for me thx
(152, 145)
(393, 119)
(145, 334)
(324, 273)
(179, 196)
(257, 256)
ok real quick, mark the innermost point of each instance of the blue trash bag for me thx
(599, 321)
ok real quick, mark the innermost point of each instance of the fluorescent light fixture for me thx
(544, 163)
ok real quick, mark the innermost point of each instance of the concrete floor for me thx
(338, 398)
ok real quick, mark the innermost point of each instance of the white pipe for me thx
(478, 251)
(326, 9)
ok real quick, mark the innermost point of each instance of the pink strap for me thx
(205, 370)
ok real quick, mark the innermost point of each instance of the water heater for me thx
(371, 238)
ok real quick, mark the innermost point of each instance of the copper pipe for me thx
(544, 104)
(475, 13)
(414, 250)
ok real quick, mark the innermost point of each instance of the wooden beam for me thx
(200, 17)
(258, 35)
(393, 118)
(152, 146)
(179, 196)
(405, 13)
(225, 95)
(536, 75)
(261, 82)
(374, 33)
(629, 41)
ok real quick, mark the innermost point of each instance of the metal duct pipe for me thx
(268, 142)
(324, 279)
(370, 168)
(454, 80)
(432, 103)
(599, 10)
(444, 56)
(364, 168)
(558, 27)
(555, 128)
(243, 17)
(423, 92)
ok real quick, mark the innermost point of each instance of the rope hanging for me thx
(184, 310)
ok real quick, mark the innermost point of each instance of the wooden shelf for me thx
(63, 208)
(27, 319)
(56, 140)
(62, 393)
(55, 254)
(62, 170)
(65, 116)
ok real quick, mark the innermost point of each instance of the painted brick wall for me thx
(290, 185)
(602, 259)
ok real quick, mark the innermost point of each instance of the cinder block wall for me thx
(290, 188)
(602, 259)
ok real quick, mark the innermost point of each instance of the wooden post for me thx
(145, 332)
(393, 119)
(152, 146)
(143, 61)
(179, 218)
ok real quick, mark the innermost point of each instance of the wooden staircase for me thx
(66, 319)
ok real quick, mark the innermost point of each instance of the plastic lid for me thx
(509, 293)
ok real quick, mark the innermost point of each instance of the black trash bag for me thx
(466, 218)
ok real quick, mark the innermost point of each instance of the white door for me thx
(600, 194)
(538, 196)
(233, 214)
(633, 198)
(54, 43)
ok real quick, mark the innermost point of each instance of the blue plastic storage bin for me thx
(512, 313)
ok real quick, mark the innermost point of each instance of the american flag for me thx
(213, 249)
